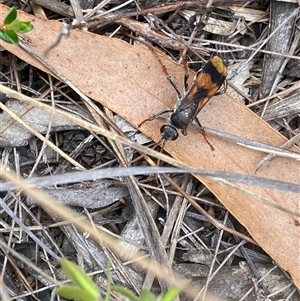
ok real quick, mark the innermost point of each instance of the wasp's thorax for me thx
(181, 118)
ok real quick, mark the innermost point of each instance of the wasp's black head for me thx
(169, 132)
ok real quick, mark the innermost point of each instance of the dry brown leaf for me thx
(129, 80)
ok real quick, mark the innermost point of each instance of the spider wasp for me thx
(207, 83)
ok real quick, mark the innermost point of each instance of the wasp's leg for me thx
(170, 79)
(184, 132)
(147, 119)
(186, 76)
(225, 84)
(159, 114)
(204, 134)
(198, 122)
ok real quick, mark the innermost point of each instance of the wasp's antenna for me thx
(161, 143)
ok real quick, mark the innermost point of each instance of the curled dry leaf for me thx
(130, 82)
(239, 79)
(249, 14)
(220, 27)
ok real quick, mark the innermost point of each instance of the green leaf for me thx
(145, 295)
(11, 16)
(25, 26)
(14, 25)
(75, 293)
(9, 36)
(20, 26)
(174, 291)
(79, 277)
(4, 37)
(125, 292)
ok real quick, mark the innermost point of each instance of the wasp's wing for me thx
(206, 85)
(199, 94)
